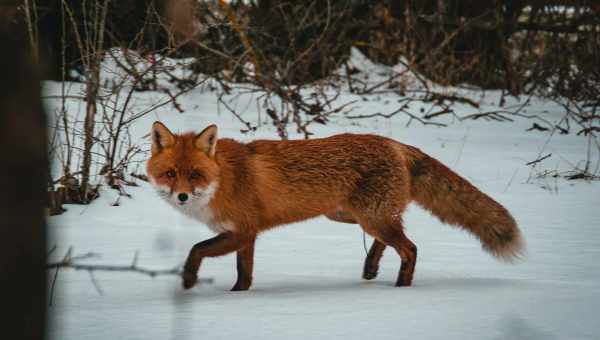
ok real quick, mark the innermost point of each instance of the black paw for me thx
(189, 280)
(369, 274)
(240, 286)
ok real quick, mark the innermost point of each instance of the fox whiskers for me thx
(163, 193)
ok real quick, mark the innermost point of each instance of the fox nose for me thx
(182, 197)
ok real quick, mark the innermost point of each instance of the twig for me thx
(118, 268)
(66, 258)
(249, 126)
(439, 113)
(440, 97)
(538, 160)
(69, 261)
(380, 84)
(393, 113)
(51, 250)
(511, 179)
(376, 114)
(141, 177)
(171, 99)
(538, 127)
(462, 146)
(96, 283)
(588, 131)
(176, 105)
(495, 115)
(51, 297)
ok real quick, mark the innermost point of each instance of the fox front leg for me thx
(245, 264)
(221, 244)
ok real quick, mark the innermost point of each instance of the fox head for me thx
(183, 167)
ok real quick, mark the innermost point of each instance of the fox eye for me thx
(171, 174)
(195, 175)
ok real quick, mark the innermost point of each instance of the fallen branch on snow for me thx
(72, 262)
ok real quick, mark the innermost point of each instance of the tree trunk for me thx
(91, 96)
(23, 179)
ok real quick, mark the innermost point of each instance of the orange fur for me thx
(364, 179)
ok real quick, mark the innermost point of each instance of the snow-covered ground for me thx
(307, 281)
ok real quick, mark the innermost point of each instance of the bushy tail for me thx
(456, 201)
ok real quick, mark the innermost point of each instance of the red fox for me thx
(239, 190)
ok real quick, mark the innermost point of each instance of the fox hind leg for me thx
(391, 235)
(371, 265)
(394, 237)
(408, 252)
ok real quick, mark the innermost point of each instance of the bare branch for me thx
(73, 262)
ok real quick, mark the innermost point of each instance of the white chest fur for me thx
(199, 209)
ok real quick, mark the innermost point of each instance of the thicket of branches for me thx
(294, 56)
(518, 46)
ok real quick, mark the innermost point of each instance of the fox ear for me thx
(207, 140)
(161, 137)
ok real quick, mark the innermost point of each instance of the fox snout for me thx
(183, 197)
(183, 194)
(198, 196)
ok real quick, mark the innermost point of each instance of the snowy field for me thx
(307, 281)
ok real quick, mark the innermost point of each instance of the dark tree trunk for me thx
(23, 179)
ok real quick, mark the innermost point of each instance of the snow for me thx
(307, 281)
